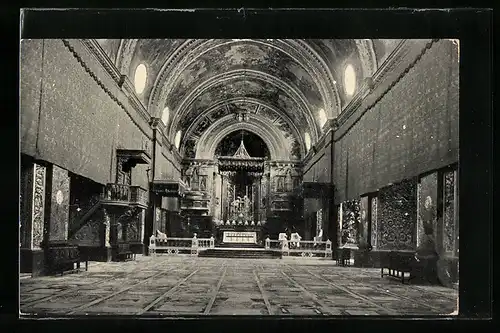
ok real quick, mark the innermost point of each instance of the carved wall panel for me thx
(397, 215)
(133, 226)
(27, 181)
(350, 222)
(374, 222)
(449, 212)
(123, 172)
(427, 204)
(38, 205)
(58, 191)
(89, 234)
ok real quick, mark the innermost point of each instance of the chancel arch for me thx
(207, 144)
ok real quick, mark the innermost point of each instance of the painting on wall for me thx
(350, 222)
(397, 213)
(374, 222)
(427, 208)
(449, 212)
(363, 220)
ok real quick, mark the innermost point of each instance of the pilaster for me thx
(32, 218)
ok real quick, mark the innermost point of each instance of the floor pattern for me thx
(183, 285)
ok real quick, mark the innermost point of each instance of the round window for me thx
(140, 78)
(177, 140)
(349, 80)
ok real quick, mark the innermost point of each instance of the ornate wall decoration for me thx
(89, 234)
(38, 205)
(363, 227)
(59, 204)
(397, 215)
(427, 208)
(107, 228)
(319, 222)
(350, 222)
(449, 212)
(374, 222)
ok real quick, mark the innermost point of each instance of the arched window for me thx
(140, 78)
(307, 140)
(165, 115)
(177, 139)
(349, 80)
(322, 117)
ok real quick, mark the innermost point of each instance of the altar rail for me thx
(300, 248)
(176, 245)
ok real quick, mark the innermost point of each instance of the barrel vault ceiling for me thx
(291, 85)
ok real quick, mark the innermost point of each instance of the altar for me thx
(247, 237)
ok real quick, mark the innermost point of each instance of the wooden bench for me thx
(122, 252)
(398, 263)
(62, 258)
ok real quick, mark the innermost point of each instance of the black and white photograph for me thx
(257, 177)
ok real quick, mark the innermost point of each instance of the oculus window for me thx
(349, 80)
(177, 139)
(140, 78)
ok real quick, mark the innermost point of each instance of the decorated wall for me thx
(412, 129)
(57, 203)
(397, 216)
(72, 111)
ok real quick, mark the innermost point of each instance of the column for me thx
(106, 236)
(32, 218)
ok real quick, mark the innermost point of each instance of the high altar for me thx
(241, 221)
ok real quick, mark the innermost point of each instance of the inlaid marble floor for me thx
(183, 285)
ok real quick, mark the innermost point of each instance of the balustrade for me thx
(139, 195)
(125, 194)
(116, 192)
(177, 245)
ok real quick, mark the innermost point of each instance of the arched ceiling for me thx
(281, 82)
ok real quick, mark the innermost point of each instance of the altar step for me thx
(254, 253)
(240, 246)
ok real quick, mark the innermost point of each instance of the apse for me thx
(254, 144)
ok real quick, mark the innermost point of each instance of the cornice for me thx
(103, 58)
(100, 83)
(297, 97)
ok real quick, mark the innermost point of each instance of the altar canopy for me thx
(241, 161)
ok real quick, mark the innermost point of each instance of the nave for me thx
(192, 286)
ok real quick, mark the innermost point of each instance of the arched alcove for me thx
(255, 146)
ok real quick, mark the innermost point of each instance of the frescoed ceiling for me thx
(285, 82)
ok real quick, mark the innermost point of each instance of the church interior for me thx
(239, 176)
